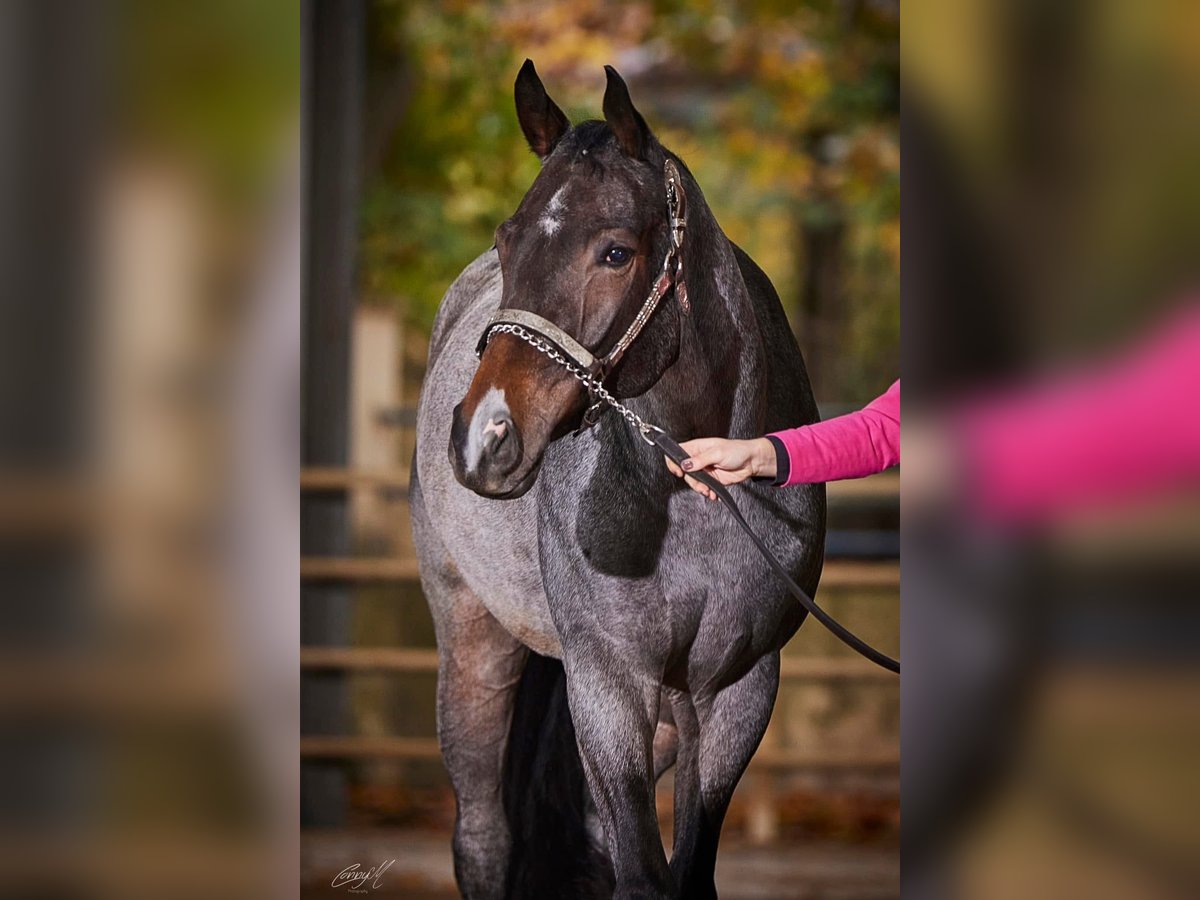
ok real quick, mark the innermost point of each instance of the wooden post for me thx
(375, 445)
(762, 816)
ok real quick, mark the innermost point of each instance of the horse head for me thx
(582, 251)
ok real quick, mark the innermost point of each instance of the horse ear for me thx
(541, 120)
(626, 122)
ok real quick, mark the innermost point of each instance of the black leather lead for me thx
(670, 447)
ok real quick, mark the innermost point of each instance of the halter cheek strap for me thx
(670, 275)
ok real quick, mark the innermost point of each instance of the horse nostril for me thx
(499, 444)
(499, 429)
(497, 440)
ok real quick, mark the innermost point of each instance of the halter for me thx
(551, 341)
(516, 321)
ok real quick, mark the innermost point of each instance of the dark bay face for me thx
(581, 251)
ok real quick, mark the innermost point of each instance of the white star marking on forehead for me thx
(551, 219)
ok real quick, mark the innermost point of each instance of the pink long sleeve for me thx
(850, 446)
(1115, 432)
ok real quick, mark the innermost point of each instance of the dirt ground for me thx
(423, 869)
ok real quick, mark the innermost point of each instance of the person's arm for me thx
(851, 446)
(1120, 431)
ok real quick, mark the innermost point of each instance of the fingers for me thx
(694, 446)
(702, 489)
(704, 453)
(707, 453)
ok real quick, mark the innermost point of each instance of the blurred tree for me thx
(218, 66)
(786, 113)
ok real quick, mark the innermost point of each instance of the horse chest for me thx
(666, 583)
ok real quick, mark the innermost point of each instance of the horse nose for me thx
(486, 448)
(499, 447)
(494, 433)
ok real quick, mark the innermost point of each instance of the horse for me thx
(596, 621)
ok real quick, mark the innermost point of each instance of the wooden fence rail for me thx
(364, 747)
(425, 660)
(884, 487)
(837, 573)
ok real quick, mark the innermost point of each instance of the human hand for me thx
(728, 461)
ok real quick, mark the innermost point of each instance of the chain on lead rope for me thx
(589, 381)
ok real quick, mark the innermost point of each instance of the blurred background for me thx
(152, 259)
(789, 118)
(149, 333)
(1051, 524)
(788, 111)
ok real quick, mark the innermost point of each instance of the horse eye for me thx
(618, 256)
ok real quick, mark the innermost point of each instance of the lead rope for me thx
(656, 437)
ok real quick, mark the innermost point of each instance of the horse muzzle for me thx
(487, 452)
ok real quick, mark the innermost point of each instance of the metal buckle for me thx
(591, 415)
(677, 229)
(646, 429)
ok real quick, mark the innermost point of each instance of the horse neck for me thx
(716, 384)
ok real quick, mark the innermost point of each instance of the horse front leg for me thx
(729, 726)
(479, 667)
(615, 713)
